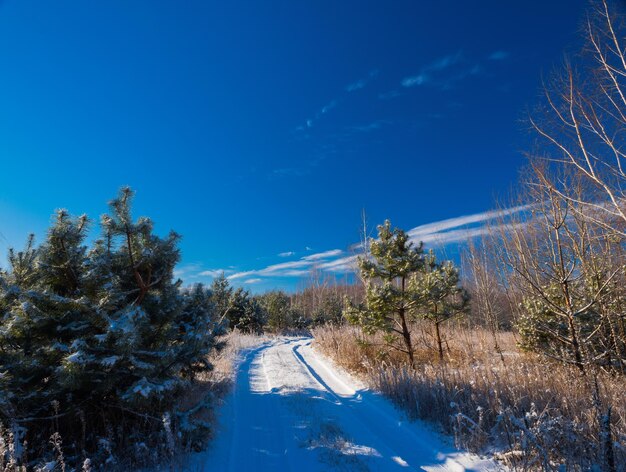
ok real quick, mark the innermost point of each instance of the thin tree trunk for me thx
(578, 360)
(406, 334)
(439, 342)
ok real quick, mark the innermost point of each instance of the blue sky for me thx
(261, 130)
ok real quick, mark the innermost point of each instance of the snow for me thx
(49, 466)
(109, 361)
(75, 358)
(293, 410)
(143, 388)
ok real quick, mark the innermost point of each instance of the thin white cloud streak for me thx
(342, 265)
(324, 110)
(252, 281)
(353, 87)
(414, 80)
(213, 272)
(239, 275)
(327, 108)
(447, 71)
(361, 83)
(459, 235)
(499, 55)
(439, 65)
(180, 271)
(431, 229)
(295, 268)
(373, 126)
(453, 230)
(195, 271)
(274, 270)
(358, 85)
(323, 255)
(295, 273)
(287, 254)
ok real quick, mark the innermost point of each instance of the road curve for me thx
(291, 410)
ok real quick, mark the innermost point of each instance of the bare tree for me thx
(484, 287)
(583, 119)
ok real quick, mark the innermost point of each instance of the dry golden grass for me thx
(224, 361)
(537, 415)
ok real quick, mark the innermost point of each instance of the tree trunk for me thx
(606, 442)
(578, 359)
(439, 342)
(406, 334)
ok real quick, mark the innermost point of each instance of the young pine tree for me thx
(221, 294)
(200, 327)
(245, 313)
(44, 317)
(440, 297)
(277, 307)
(390, 299)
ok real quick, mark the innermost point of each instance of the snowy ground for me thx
(291, 410)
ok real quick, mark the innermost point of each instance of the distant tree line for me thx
(277, 311)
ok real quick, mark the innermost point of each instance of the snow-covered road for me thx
(292, 411)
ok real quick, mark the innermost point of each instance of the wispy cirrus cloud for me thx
(326, 108)
(296, 268)
(444, 72)
(182, 270)
(459, 228)
(373, 126)
(352, 87)
(310, 122)
(428, 73)
(196, 271)
(341, 265)
(323, 255)
(214, 272)
(438, 233)
(252, 281)
(359, 84)
(362, 83)
(498, 55)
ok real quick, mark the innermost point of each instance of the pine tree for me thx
(90, 334)
(245, 313)
(44, 317)
(221, 293)
(330, 310)
(200, 327)
(440, 296)
(277, 307)
(390, 300)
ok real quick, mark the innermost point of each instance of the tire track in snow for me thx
(418, 445)
(372, 436)
(291, 410)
